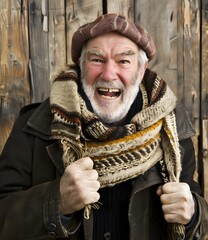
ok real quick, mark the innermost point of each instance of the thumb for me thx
(159, 191)
(85, 163)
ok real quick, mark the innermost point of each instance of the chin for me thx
(110, 115)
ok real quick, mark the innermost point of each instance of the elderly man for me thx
(103, 157)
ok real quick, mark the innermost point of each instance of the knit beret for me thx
(112, 23)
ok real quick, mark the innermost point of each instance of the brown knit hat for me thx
(112, 23)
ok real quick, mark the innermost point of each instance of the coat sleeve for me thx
(27, 211)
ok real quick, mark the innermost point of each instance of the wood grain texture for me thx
(77, 14)
(39, 51)
(57, 34)
(160, 20)
(205, 158)
(191, 56)
(204, 57)
(204, 97)
(123, 7)
(14, 54)
(174, 26)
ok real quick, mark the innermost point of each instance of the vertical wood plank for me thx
(77, 14)
(160, 20)
(123, 7)
(180, 54)
(57, 34)
(191, 64)
(204, 57)
(14, 84)
(205, 158)
(175, 30)
(39, 52)
(204, 95)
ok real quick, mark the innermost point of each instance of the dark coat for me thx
(30, 171)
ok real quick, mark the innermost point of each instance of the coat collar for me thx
(39, 123)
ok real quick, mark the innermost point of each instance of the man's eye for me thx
(124, 61)
(96, 60)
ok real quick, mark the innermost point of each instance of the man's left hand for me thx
(177, 202)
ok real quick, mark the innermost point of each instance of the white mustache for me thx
(113, 84)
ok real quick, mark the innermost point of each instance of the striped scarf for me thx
(123, 152)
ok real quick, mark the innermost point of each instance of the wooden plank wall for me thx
(14, 56)
(35, 37)
(51, 25)
(175, 28)
(204, 97)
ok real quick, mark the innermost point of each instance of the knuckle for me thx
(89, 161)
(95, 173)
(75, 179)
(167, 218)
(97, 185)
(84, 197)
(96, 197)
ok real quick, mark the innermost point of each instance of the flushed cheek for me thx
(91, 74)
(127, 73)
(127, 78)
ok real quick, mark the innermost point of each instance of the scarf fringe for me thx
(88, 209)
(176, 231)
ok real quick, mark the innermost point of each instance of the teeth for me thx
(107, 97)
(103, 89)
(114, 90)
(109, 90)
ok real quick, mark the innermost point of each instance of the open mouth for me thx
(109, 93)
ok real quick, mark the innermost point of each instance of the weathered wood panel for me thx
(123, 7)
(204, 56)
(39, 51)
(204, 97)
(77, 14)
(14, 79)
(174, 26)
(191, 60)
(57, 33)
(205, 159)
(52, 24)
(160, 20)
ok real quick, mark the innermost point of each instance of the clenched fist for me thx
(79, 186)
(177, 202)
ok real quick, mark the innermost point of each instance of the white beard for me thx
(110, 112)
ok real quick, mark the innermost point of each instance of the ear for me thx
(144, 69)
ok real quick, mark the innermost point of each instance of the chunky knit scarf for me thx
(119, 152)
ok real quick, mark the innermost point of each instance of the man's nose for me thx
(109, 72)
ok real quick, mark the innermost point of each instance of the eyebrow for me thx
(94, 52)
(99, 54)
(126, 53)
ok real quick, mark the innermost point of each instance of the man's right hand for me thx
(79, 186)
